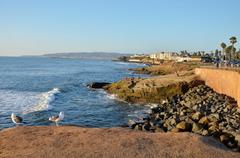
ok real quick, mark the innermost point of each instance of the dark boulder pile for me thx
(201, 111)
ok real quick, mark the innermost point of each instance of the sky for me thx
(35, 27)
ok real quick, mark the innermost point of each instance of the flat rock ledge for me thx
(69, 141)
(153, 89)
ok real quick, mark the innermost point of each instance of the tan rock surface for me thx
(68, 141)
(152, 89)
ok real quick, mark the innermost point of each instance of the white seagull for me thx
(57, 119)
(16, 119)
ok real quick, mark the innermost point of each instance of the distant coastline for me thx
(88, 55)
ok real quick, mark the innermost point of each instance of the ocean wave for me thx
(26, 102)
(17, 101)
(45, 100)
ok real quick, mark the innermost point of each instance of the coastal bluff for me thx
(223, 81)
(70, 141)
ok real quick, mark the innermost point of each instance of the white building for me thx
(183, 59)
(164, 56)
(138, 56)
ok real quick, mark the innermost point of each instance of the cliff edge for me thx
(69, 141)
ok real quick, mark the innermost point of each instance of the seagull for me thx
(57, 119)
(16, 119)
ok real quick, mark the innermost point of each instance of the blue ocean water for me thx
(39, 87)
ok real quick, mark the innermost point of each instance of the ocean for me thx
(36, 88)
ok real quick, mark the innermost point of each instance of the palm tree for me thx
(223, 45)
(233, 40)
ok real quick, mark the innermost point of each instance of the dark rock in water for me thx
(97, 85)
(156, 110)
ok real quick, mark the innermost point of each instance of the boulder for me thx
(237, 138)
(204, 132)
(172, 121)
(213, 117)
(138, 127)
(146, 127)
(212, 129)
(132, 123)
(175, 130)
(196, 128)
(184, 126)
(97, 85)
(196, 116)
(225, 138)
(204, 120)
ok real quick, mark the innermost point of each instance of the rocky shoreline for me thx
(184, 104)
(201, 111)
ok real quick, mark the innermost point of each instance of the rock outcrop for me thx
(153, 89)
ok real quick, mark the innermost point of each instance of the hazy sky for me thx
(137, 26)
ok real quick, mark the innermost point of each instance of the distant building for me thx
(164, 56)
(183, 59)
(138, 56)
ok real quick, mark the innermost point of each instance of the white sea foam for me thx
(45, 100)
(151, 105)
(26, 102)
(112, 96)
(138, 115)
(16, 101)
(123, 63)
(107, 95)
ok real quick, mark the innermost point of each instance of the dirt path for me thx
(79, 142)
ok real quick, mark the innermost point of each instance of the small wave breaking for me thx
(112, 96)
(45, 100)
